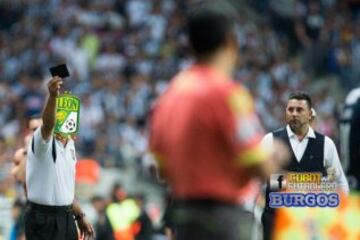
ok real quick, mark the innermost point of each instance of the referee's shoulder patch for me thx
(240, 101)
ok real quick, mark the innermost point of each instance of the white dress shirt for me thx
(48, 182)
(331, 157)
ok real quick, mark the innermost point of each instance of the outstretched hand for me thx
(331, 174)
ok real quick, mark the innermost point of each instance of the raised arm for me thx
(49, 112)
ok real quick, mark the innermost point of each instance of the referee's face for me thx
(34, 124)
(298, 114)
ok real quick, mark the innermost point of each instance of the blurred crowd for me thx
(122, 53)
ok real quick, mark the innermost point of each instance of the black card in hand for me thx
(60, 70)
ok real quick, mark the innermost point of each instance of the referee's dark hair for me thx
(209, 26)
(301, 96)
(35, 116)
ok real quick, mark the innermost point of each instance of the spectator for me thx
(103, 229)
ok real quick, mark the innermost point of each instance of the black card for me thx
(60, 70)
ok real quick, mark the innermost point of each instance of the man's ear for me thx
(310, 114)
(231, 40)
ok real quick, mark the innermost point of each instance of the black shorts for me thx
(211, 220)
(49, 222)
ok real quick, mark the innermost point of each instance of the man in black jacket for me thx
(311, 151)
(350, 138)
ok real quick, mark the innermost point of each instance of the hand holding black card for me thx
(60, 70)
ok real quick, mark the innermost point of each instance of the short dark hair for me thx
(208, 25)
(35, 116)
(301, 96)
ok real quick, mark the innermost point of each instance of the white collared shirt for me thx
(331, 157)
(48, 182)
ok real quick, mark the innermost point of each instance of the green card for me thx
(67, 115)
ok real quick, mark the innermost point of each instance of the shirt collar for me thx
(291, 134)
(208, 70)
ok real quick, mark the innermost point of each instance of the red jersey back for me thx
(204, 133)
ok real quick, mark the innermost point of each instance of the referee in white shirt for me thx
(311, 151)
(50, 178)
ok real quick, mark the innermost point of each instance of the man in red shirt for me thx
(206, 136)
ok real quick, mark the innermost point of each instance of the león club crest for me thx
(67, 114)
